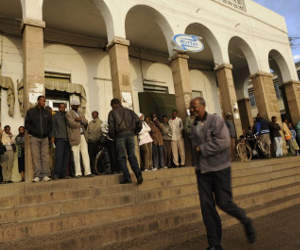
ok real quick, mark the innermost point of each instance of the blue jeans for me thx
(62, 154)
(123, 146)
(158, 156)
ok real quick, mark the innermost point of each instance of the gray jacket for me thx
(212, 136)
(59, 126)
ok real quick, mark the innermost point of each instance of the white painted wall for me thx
(260, 27)
(12, 67)
(206, 82)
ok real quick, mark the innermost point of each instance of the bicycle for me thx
(243, 149)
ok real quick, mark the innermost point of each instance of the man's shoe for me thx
(46, 178)
(250, 232)
(214, 248)
(140, 180)
(36, 179)
(90, 175)
(125, 181)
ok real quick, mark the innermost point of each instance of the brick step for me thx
(78, 217)
(265, 162)
(87, 200)
(14, 195)
(55, 204)
(150, 232)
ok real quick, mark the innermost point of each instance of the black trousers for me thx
(62, 153)
(93, 151)
(215, 189)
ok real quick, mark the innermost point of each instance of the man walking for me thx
(212, 144)
(177, 142)
(62, 146)
(38, 123)
(93, 136)
(77, 125)
(124, 124)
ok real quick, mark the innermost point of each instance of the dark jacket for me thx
(275, 130)
(38, 122)
(212, 136)
(231, 128)
(122, 122)
(261, 126)
(59, 126)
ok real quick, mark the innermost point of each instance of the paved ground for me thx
(279, 231)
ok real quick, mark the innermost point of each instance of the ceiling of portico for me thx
(237, 57)
(204, 57)
(75, 16)
(143, 31)
(11, 9)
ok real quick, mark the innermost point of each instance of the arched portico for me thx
(288, 92)
(146, 27)
(244, 63)
(212, 50)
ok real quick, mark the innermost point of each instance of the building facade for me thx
(95, 50)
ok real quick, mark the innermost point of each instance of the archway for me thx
(202, 65)
(281, 74)
(150, 37)
(244, 63)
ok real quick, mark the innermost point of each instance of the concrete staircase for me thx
(98, 213)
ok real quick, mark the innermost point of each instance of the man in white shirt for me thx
(177, 142)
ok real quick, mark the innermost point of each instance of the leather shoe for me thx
(214, 248)
(250, 232)
(125, 181)
(140, 180)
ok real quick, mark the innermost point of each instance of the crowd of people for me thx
(65, 145)
(276, 139)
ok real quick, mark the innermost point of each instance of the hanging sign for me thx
(188, 43)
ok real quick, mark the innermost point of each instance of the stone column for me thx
(120, 73)
(292, 93)
(33, 64)
(245, 112)
(181, 78)
(265, 95)
(120, 67)
(228, 95)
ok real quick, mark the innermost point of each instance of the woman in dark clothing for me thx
(20, 142)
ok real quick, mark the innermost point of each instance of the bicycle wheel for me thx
(244, 151)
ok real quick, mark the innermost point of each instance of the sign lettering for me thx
(237, 4)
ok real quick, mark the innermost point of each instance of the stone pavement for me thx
(278, 231)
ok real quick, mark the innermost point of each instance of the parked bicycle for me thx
(249, 147)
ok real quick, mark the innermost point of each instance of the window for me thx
(196, 93)
(155, 87)
(252, 97)
(277, 88)
(55, 97)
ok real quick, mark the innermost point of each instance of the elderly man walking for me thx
(77, 125)
(211, 140)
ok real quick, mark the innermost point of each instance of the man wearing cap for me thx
(77, 125)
